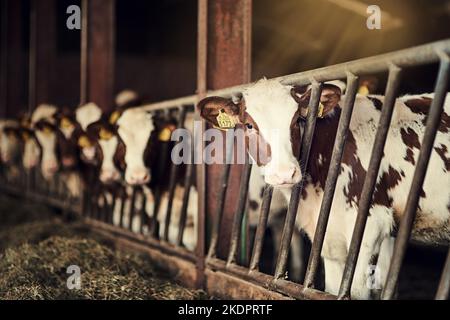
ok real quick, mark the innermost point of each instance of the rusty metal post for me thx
(12, 75)
(42, 51)
(97, 52)
(228, 63)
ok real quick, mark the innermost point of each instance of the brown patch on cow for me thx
(419, 105)
(357, 174)
(388, 181)
(442, 151)
(444, 126)
(411, 139)
(253, 204)
(376, 102)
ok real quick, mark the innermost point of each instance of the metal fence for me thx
(229, 269)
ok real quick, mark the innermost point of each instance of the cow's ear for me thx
(329, 98)
(220, 112)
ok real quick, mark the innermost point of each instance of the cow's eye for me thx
(249, 126)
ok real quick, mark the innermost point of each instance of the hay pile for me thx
(36, 251)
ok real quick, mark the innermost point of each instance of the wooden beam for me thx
(98, 52)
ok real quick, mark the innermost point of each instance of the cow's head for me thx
(109, 149)
(135, 127)
(69, 131)
(31, 150)
(46, 133)
(9, 142)
(85, 115)
(272, 114)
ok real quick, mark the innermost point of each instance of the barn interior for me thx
(153, 50)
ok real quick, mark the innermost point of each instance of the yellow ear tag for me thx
(105, 134)
(363, 90)
(84, 142)
(319, 111)
(66, 123)
(114, 117)
(165, 134)
(47, 130)
(225, 121)
(25, 136)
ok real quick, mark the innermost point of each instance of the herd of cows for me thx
(121, 149)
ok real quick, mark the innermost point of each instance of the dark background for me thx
(156, 42)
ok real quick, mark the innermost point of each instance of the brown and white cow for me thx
(143, 135)
(269, 105)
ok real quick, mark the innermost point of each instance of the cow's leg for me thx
(384, 260)
(367, 276)
(297, 254)
(334, 270)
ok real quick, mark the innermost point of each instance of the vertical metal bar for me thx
(158, 193)
(222, 193)
(112, 208)
(261, 228)
(187, 188)
(173, 183)
(444, 283)
(32, 58)
(84, 52)
(370, 180)
(143, 213)
(122, 209)
(406, 223)
(202, 54)
(237, 221)
(132, 208)
(332, 176)
(289, 223)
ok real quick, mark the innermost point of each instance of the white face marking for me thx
(9, 147)
(87, 114)
(108, 170)
(49, 164)
(31, 154)
(68, 131)
(135, 128)
(270, 104)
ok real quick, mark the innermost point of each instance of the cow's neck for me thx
(322, 147)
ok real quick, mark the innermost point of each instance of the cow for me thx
(142, 134)
(31, 150)
(45, 130)
(259, 112)
(10, 148)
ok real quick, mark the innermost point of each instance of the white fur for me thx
(87, 114)
(135, 128)
(43, 112)
(108, 169)
(125, 96)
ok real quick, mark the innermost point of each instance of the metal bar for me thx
(84, 53)
(444, 283)
(332, 176)
(410, 57)
(289, 223)
(237, 221)
(222, 193)
(406, 224)
(132, 208)
(370, 180)
(202, 61)
(122, 209)
(158, 193)
(184, 207)
(261, 228)
(173, 182)
(285, 287)
(143, 213)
